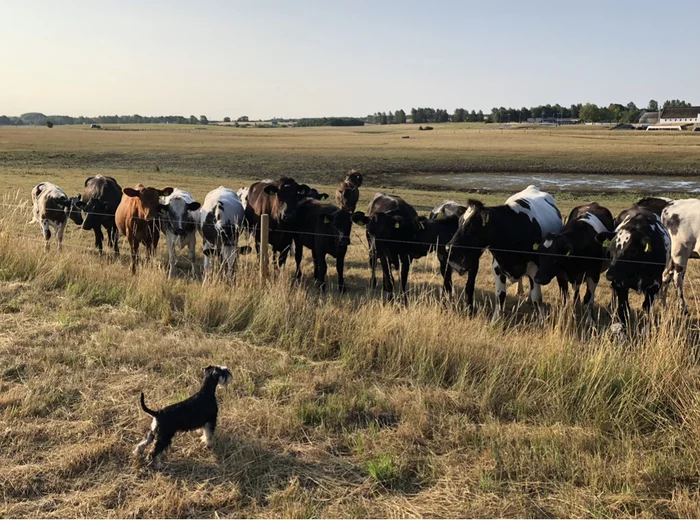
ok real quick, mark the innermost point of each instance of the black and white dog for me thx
(199, 411)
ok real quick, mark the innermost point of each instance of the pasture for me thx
(340, 406)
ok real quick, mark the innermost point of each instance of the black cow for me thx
(324, 229)
(655, 204)
(392, 225)
(640, 249)
(509, 231)
(278, 199)
(101, 197)
(574, 253)
(312, 192)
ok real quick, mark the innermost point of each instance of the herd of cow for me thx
(644, 248)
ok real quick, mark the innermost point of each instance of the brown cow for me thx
(278, 199)
(348, 193)
(137, 218)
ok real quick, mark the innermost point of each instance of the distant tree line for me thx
(42, 119)
(333, 121)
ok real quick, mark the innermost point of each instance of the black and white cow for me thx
(639, 250)
(682, 219)
(574, 253)
(179, 218)
(221, 216)
(509, 231)
(51, 208)
(391, 225)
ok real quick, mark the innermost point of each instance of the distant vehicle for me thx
(95, 126)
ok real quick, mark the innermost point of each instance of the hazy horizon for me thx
(308, 58)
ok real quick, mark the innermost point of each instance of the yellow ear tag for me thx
(486, 220)
(163, 212)
(568, 252)
(606, 243)
(647, 247)
(535, 246)
(420, 224)
(326, 220)
(397, 225)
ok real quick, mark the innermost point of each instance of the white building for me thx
(677, 119)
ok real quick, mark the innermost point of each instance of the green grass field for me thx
(340, 407)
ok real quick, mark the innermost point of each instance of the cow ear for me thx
(359, 218)
(270, 190)
(167, 191)
(132, 193)
(325, 217)
(484, 217)
(323, 196)
(63, 203)
(80, 204)
(87, 180)
(193, 206)
(162, 209)
(303, 190)
(604, 238)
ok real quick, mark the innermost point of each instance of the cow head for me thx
(285, 194)
(381, 226)
(626, 248)
(96, 212)
(552, 251)
(347, 196)
(472, 237)
(313, 193)
(72, 207)
(150, 200)
(338, 224)
(175, 212)
(354, 178)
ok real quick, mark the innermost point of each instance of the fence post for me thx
(264, 240)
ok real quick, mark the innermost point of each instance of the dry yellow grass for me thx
(340, 406)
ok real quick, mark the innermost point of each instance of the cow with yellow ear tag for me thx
(573, 255)
(639, 251)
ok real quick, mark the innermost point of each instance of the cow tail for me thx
(146, 409)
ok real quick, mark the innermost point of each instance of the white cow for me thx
(682, 219)
(221, 218)
(179, 217)
(51, 208)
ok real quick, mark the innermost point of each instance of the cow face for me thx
(348, 196)
(626, 249)
(381, 226)
(354, 178)
(150, 200)
(472, 237)
(176, 215)
(552, 251)
(338, 224)
(313, 193)
(286, 194)
(74, 212)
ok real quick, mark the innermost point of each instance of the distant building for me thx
(676, 119)
(649, 118)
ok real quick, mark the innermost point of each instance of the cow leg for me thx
(647, 306)
(521, 289)
(282, 259)
(535, 289)
(372, 262)
(623, 308)
(589, 298)
(170, 240)
(676, 273)
(387, 278)
(113, 235)
(207, 264)
(500, 279)
(98, 238)
(320, 276)
(134, 255)
(229, 253)
(191, 246)
(405, 261)
(446, 272)
(298, 256)
(340, 269)
(563, 288)
(469, 289)
(46, 230)
(60, 229)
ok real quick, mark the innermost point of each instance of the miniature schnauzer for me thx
(199, 411)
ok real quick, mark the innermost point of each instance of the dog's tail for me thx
(146, 409)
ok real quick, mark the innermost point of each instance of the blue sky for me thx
(320, 58)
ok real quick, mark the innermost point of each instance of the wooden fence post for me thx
(264, 240)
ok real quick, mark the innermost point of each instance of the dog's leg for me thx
(208, 433)
(162, 443)
(138, 451)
